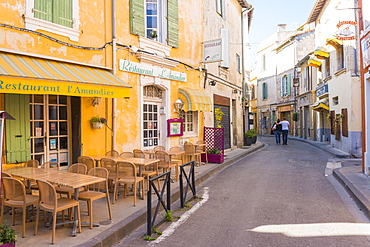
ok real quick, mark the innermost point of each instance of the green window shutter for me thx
(62, 12)
(17, 132)
(264, 91)
(43, 10)
(173, 23)
(288, 85)
(137, 17)
(281, 86)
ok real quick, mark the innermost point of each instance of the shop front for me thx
(44, 96)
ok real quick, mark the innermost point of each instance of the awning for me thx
(312, 61)
(29, 75)
(195, 100)
(321, 52)
(334, 42)
(321, 104)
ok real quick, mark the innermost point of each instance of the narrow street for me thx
(278, 196)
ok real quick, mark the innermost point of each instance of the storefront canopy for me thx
(321, 104)
(321, 53)
(195, 100)
(336, 43)
(313, 61)
(29, 75)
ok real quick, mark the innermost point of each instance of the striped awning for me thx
(321, 104)
(29, 75)
(336, 43)
(195, 100)
(312, 61)
(321, 52)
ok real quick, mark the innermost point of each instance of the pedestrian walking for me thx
(277, 127)
(285, 130)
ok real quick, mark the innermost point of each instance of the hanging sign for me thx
(212, 51)
(347, 30)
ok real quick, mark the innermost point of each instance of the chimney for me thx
(281, 27)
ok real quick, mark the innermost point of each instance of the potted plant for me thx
(254, 138)
(215, 155)
(97, 122)
(7, 236)
(249, 137)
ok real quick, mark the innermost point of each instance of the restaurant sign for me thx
(346, 30)
(212, 51)
(147, 69)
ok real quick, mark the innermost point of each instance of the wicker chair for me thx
(159, 148)
(88, 161)
(127, 155)
(110, 165)
(139, 153)
(15, 197)
(126, 174)
(49, 202)
(75, 168)
(165, 162)
(50, 165)
(202, 149)
(112, 153)
(190, 152)
(32, 163)
(96, 191)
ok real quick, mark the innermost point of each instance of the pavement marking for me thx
(171, 229)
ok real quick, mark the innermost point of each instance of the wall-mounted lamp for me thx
(178, 105)
(235, 91)
(295, 82)
(212, 83)
(96, 101)
(298, 69)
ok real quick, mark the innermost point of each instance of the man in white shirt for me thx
(285, 130)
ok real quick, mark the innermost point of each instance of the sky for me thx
(269, 13)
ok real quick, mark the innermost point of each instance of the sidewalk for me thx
(127, 218)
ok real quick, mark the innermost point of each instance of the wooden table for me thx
(62, 178)
(140, 162)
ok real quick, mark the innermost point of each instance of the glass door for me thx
(49, 128)
(151, 133)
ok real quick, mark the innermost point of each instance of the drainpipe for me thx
(245, 109)
(114, 100)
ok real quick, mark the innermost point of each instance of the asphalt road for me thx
(278, 196)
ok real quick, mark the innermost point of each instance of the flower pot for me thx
(97, 125)
(248, 141)
(8, 245)
(213, 158)
(254, 139)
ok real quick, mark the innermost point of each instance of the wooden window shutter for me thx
(62, 12)
(282, 86)
(137, 17)
(17, 132)
(288, 84)
(43, 10)
(332, 122)
(345, 122)
(337, 127)
(173, 23)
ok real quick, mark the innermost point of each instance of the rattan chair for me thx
(127, 175)
(32, 163)
(49, 202)
(75, 168)
(96, 191)
(110, 165)
(127, 155)
(112, 153)
(15, 197)
(165, 162)
(50, 165)
(6, 175)
(159, 148)
(190, 152)
(139, 153)
(88, 161)
(202, 150)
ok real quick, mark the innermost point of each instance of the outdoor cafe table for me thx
(62, 178)
(141, 162)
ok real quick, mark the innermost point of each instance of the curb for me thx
(125, 227)
(361, 201)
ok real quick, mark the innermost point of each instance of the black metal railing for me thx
(190, 182)
(160, 195)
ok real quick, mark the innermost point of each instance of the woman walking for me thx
(277, 131)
